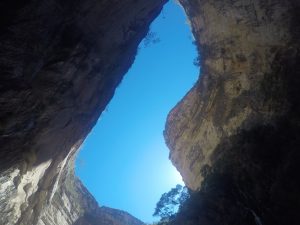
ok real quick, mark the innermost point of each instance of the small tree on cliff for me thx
(169, 203)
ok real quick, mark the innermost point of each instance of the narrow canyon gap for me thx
(124, 161)
(235, 136)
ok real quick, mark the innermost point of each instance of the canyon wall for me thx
(234, 137)
(60, 63)
(240, 122)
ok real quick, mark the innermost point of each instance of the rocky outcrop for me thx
(73, 204)
(243, 47)
(240, 122)
(60, 63)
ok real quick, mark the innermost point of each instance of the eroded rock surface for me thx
(240, 122)
(60, 63)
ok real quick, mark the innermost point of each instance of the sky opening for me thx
(124, 160)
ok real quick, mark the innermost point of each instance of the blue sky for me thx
(124, 161)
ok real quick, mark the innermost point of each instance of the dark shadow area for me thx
(254, 178)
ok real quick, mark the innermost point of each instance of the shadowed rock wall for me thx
(60, 63)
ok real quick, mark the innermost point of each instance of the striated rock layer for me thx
(240, 122)
(60, 63)
(73, 204)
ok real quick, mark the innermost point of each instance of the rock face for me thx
(240, 122)
(246, 48)
(60, 62)
(73, 204)
(236, 131)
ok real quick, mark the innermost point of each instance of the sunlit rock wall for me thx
(60, 62)
(243, 46)
(241, 119)
(73, 204)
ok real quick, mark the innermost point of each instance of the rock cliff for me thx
(234, 136)
(73, 204)
(240, 122)
(60, 63)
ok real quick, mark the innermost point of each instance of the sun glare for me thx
(176, 177)
(127, 165)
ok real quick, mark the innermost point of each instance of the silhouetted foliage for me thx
(151, 38)
(197, 60)
(169, 203)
